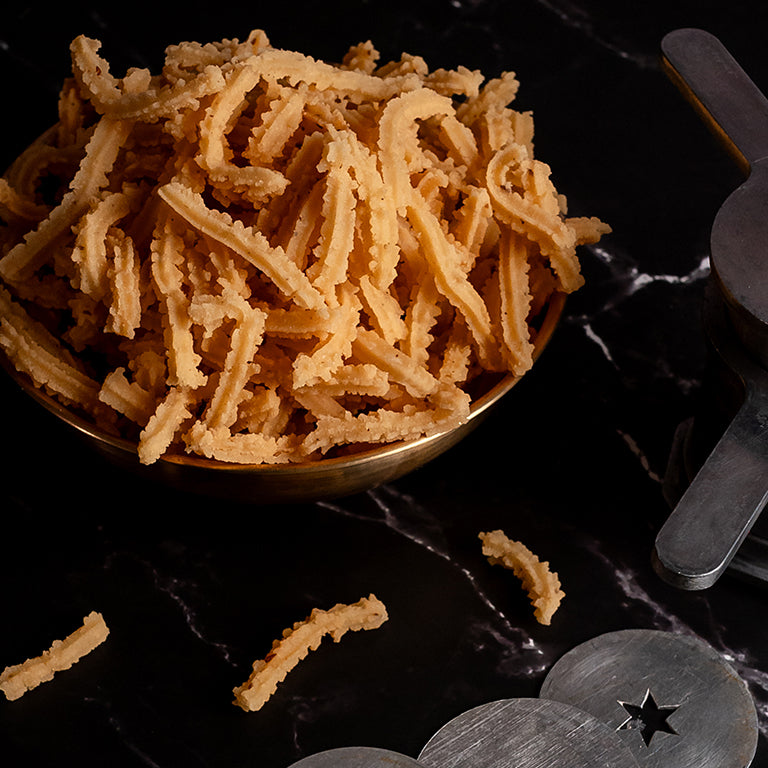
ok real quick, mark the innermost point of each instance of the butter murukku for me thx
(17, 679)
(542, 584)
(297, 641)
(258, 257)
(89, 180)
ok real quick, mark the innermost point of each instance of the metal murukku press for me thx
(526, 732)
(717, 511)
(672, 699)
(633, 698)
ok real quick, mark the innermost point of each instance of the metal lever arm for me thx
(718, 88)
(716, 513)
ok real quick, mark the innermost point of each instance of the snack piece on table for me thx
(542, 584)
(299, 640)
(17, 679)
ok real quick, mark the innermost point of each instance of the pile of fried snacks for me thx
(17, 679)
(297, 641)
(541, 584)
(258, 257)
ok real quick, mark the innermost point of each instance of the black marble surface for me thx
(572, 463)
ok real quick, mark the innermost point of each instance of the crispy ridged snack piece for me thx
(90, 179)
(298, 640)
(16, 680)
(542, 585)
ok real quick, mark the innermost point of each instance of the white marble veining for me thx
(518, 653)
(627, 279)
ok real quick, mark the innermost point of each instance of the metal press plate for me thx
(672, 699)
(525, 733)
(357, 757)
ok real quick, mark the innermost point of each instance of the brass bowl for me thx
(291, 483)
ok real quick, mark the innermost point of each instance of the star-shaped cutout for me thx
(648, 717)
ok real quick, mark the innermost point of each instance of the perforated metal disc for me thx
(525, 733)
(357, 757)
(672, 699)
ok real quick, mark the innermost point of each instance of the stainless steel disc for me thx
(357, 757)
(525, 733)
(671, 699)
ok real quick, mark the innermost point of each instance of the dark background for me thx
(194, 589)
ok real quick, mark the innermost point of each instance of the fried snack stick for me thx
(383, 310)
(109, 94)
(542, 585)
(125, 285)
(297, 641)
(445, 263)
(127, 397)
(167, 262)
(370, 428)
(17, 206)
(91, 177)
(369, 347)
(337, 232)
(398, 138)
(330, 353)
(515, 301)
(247, 242)
(538, 210)
(90, 251)
(16, 680)
(279, 122)
(380, 235)
(358, 379)
(30, 347)
(244, 340)
(250, 448)
(165, 422)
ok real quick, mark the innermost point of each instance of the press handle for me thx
(714, 516)
(727, 99)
